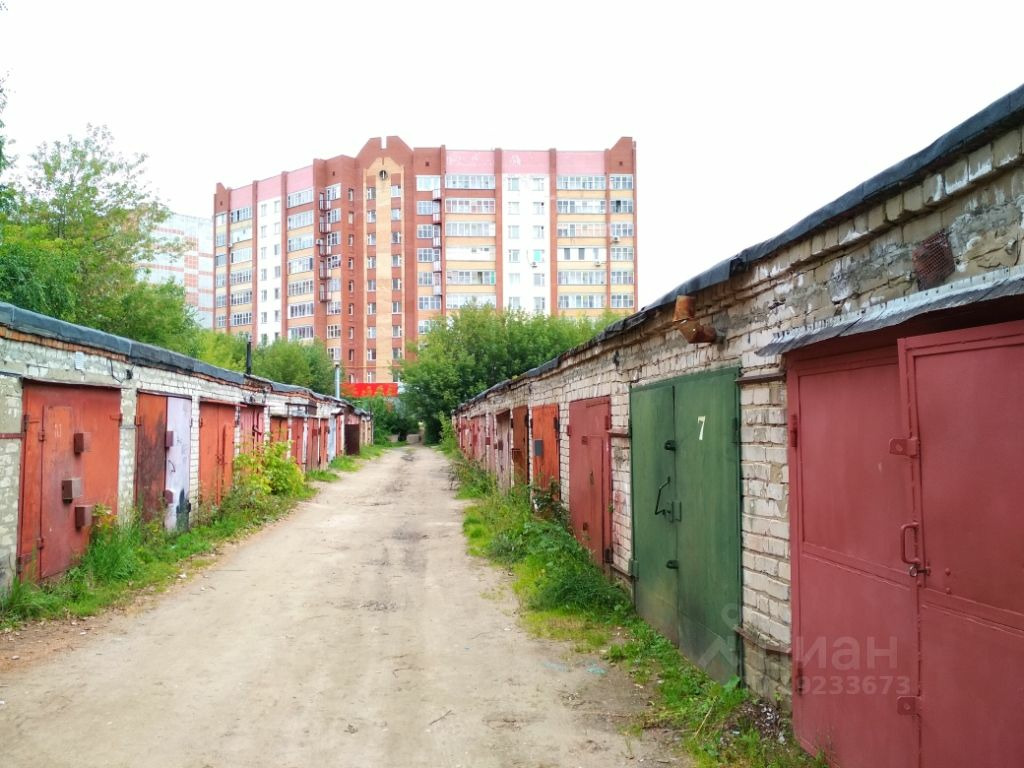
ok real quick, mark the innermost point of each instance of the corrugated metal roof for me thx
(1009, 282)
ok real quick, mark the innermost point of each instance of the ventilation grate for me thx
(933, 261)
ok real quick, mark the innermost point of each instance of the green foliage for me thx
(567, 597)
(270, 469)
(295, 362)
(72, 234)
(477, 348)
(322, 476)
(390, 417)
(225, 350)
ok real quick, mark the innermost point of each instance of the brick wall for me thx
(862, 261)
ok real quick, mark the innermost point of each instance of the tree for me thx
(72, 235)
(225, 350)
(479, 347)
(294, 362)
(390, 417)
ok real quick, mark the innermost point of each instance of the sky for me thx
(747, 115)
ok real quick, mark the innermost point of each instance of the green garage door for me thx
(686, 504)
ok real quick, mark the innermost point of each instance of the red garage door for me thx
(590, 475)
(545, 446)
(908, 578)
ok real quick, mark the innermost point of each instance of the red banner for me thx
(387, 389)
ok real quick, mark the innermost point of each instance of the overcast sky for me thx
(747, 116)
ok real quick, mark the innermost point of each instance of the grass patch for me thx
(322, 476)
(566, 597)
(123, 559)
(343, 463)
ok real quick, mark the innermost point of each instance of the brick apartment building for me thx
(188, 262)
(364, 252)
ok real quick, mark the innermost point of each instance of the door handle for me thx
(673, 564)
(915, 561)
(657, 503)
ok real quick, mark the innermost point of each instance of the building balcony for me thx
(437, 290)
(437, 217)
(437, 242)
(437, 265)
(436, 194)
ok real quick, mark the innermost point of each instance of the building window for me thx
(538, 255)
(396, 191)
(514, 302)
(222, 238)
(424, 278)
(538, 279)
(538, 209)
(334, 308)
(512, 183)
(538, 183)
(428, 302)
(371, 262)
(304, 309)
(351, 308)
(581, 182)
(371, 285)
(622, 229)
(396, 260)
(295, 333)
(371, 216)
(582, 229)
(300, 287)
(396, 214)
(302, 264)
(242, 214)
(581, 205)
(333, 331)
(513, 231)
(540, 304)
(484, 205)
(427, 183)
(622, 206)
(221, 219)
(622, 301)
(469, 181)
(581, 301)
(622, 181)
(622, 277)
(396, 238)
(396, 331)
(396, 284)
(304, 219)
(471, 277)
(371, 332)
(239, 255)
(299, 243)
(299, 198)
(513, 278)
(222, 321)
(242, 318)
(396, 307)
(513, 255)
(396, 353)
(371, 354)
(371, 193)
(538, 231)
(371, 308)
(581, 277)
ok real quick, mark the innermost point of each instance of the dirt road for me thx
(356, 632)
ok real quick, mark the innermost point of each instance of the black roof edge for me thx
(973, 132)
(36, 324)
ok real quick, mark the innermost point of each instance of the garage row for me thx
(803, 463)
(92, 421)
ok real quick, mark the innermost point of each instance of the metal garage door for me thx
(686, 500)
(915, 591)
(520, 443)
(502, 449)
(163, 449)
(70, 461)
(546, 448)
(216, 450)
(590, 475)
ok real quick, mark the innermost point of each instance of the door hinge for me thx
(794, 430)
(798, 678)
(634, 567)
(905, 446)
(137, 421)
(608, 422)
(40, 542)
(558, 425)
(608, 555)
(568, 430)
(736, 430)
(629, 427)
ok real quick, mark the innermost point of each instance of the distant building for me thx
(193, 267)
(364, 252)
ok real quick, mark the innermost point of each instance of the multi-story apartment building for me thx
(187, 261)
(364, 252)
